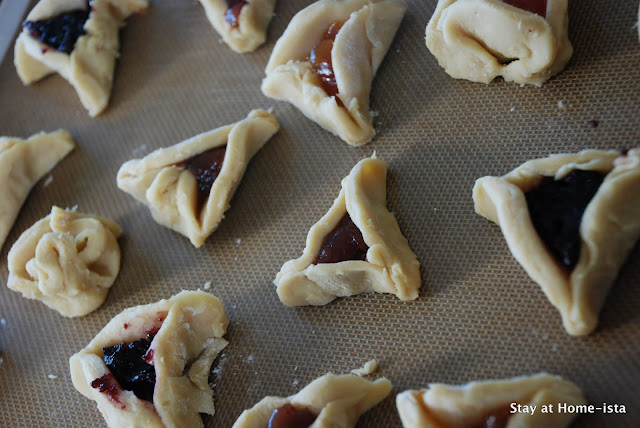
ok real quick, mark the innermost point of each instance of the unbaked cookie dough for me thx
(66, 260)
(22, 164)
(327, 72)
(188, 186)
(489, 403)
(241, 23)
(329, 401)
(83, 50)
(357, 246)
(149, 366)
(479, 40)
(570, 220)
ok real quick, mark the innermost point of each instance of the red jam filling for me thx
(320, 59)
(108, 385)
(287, 416)
(205, 167)
(60, 32)
(234, 8)
(539, 7)
(344, 242)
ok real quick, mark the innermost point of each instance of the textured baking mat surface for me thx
(478, 315)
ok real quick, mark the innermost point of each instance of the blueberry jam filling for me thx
(539, 7)
(60, 32)
(344, 242)
(287, 416)
(556, 208)
(128, 364)
(206, 167)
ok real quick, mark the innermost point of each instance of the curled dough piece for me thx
(22, 164)
(247, 31)
(389, 265)
(66, 260)
(358, 50)
(90, 65)
(186, 333)
(475, 403)
(609, 228)
(336, 401)
(479, 40)
(172, 191)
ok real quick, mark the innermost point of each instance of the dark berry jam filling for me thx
(496, 419)
(287, 416)
(539, 7)
(127, 362)
(344, 242)
(205, 167)
(60, 32)
(556, 208)
(108, 385)
(234, 8)
(321, 63)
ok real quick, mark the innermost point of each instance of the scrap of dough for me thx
(467, 406)
(171, 192)
(191, 325)
(390, 265)
(609, 229)
(479, 40)
(22, 164)
(339, 401)
(359, 48)
(66, 260)
(368, 368)
(90, 66)
(252, 23)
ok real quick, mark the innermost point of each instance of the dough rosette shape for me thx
(67, 260)
(365, 30)
(479, 40)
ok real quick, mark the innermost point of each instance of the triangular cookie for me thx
(22, 164)
(83, 50)
(579, 254)
(327, 73)
(489, 403)
(241, 23)
(356, 247)
(479, 40)
(149, 366)
(188, 186)
(329, 401)
(67, 260)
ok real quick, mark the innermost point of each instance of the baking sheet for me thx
(478, 315)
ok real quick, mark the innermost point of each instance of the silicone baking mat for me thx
(478, 316)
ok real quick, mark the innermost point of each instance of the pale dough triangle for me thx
(390, 265)
(90, 66)
(22, 164)
(337, 400)
(252, 22)
(189, 326)
(609, 229)
(359, 48)
(171, 191)
(467, 406)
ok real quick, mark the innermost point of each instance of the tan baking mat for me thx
(478, 315)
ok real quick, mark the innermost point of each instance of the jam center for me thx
(60, 32)
(344, 242)
(232, 15)
(127, 362)
(320, 59)
(287, 416)
(538, 7)
(108, 385)
(206, 167)
(556, 208)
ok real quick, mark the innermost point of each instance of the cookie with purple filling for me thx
(355, 248)
(188, 186)
(570, 220)
(492, 403)
(149, 366)
(77, 39)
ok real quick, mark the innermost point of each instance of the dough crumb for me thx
(207, 285)
(52, 376)
(561, 105)
(512, 109)
(368, 368)
(295, 382)
(250, 359)
(140, 150)
(48, 181)
(238, 241)
(3, 322)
